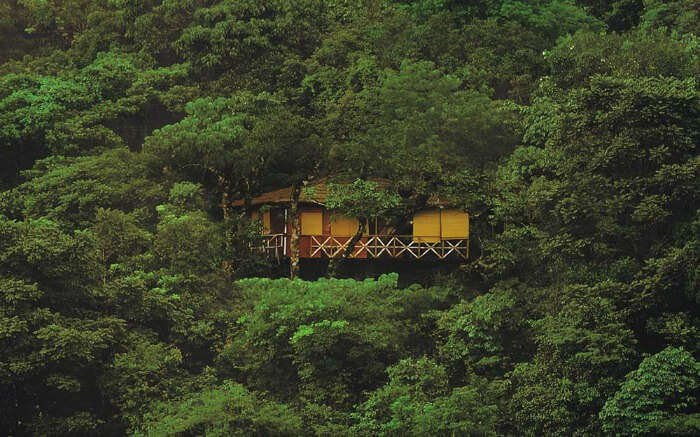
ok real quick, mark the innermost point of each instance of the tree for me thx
(71, 190)
(62, 19)
(581, 349)
(363, 200)
(29, 105)
(619, 15)
(210, 145)
(296, 157)
(550, 18)
(660, 397)
(613, 202)
(54, 343)
(323, 342)
(675, 16)
(417, 401)
(645, 53)
(487, 335)
(229, 409)
(425, 126)
(247, 45)
(567, 128)
(239, 144)
(118, 236)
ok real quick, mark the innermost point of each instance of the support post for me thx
(294, 232)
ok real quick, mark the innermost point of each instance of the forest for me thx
(133, 300)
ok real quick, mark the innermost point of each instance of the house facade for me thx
(437, 231)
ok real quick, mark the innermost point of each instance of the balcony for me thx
(372, 246)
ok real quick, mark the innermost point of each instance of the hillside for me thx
(135, 134)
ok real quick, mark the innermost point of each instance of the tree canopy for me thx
(133, 300)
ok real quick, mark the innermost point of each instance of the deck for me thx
(372, 246)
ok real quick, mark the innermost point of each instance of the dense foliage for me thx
(131, 302)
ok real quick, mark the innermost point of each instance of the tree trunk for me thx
(227, 264)
(294, 232)
(335, 264)
(355, 238)
(225, 188)
(248, 199)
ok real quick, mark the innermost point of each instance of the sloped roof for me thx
(312, 193)
(318, 193)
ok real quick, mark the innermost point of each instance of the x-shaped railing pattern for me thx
(376, 246)
(388, 245)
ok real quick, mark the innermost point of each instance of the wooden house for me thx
(436, 231)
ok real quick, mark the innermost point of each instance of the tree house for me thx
(437, 231)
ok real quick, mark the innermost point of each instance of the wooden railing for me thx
(373, 246)
(274, 245)
(392, 246)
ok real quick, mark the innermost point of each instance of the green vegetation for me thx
(131, 302)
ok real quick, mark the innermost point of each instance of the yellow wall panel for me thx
(426, 226)
(343, 226)
(455, 224)
(312, 222)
